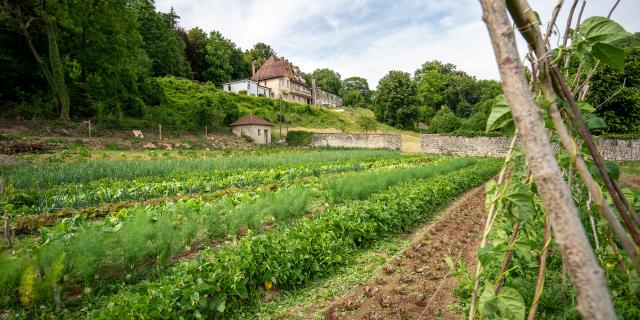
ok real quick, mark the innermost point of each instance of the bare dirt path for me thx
(417, 283)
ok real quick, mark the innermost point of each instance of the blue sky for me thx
(370, 37)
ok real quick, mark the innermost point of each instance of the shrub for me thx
(367, 123)
(242, 92)
(299, 138)
(477, 122)
(444, 121)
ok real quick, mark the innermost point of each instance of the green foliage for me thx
(161, 43)
(218, 58)
(299, 138)
(367, 123)
(361, 186)
(355, 92)
(328, 80)
(242, 273)
(617, 93)
(259, 54)
(444, 121)
(196, 52)
(426, 113)
(500, 117)
(396, 101)
(596, 38)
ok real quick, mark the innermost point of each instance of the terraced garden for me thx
(207, 238)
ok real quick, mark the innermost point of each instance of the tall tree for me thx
(396, 100)
(103, 42)
(219, 69)
(359, 85)
(25, 13)
(259, 54)
(160, 40)
(327, 79)
(196, 51)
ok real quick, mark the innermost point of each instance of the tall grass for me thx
(360, 186)
(42, 176)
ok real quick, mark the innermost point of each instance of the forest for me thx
(62, 60)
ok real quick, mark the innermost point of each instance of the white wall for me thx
(260, 134)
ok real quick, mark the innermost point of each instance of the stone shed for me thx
(252, 126)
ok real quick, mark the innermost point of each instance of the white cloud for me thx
(369, 37)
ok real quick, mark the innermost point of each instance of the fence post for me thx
(5, 216)
(160, 130)
(206, 131)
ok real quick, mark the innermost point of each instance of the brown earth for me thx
(417, 283)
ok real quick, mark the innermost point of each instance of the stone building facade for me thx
(251, 126)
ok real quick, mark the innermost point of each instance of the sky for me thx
(368, 38)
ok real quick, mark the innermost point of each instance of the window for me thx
(248, 85)
(258, 131)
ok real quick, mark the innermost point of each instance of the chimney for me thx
(253, 68)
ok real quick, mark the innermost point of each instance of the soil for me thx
(28, 137)
(417, 283)
(629, 181)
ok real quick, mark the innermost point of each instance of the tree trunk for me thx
(594, 301)
(57, 69)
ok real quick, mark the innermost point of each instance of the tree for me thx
(52, 68)
(219, 68)
(196, 52)
(367, 123)
(359, 85)
(353, 99)
(102, 41)
(444, 121)
(327, 79)
(396, 100)
(259, 54)
(160, 40)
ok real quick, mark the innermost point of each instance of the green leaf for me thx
(634, 282)
(520, 201)
(609, 55)
(595, 122)
(601, 29)
(500, 116)
(486, 254)
(508, 304)
(585, 107)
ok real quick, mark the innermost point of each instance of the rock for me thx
(138, 134)
(149, 145)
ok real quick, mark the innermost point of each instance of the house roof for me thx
(276, 68)
(251, 119)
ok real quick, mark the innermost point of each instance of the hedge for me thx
(299, 138)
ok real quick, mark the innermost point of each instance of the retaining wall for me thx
(357, 140)
(611, 149)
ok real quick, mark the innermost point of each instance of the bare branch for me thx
(613, 9)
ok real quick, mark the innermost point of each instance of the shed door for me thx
(266, 136)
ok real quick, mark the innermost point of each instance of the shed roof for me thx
(251, 119)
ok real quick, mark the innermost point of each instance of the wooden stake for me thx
(594, 300)
(160, 131)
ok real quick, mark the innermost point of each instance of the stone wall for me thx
(620, 149)
(464, 146)
(612, 149)
(356, 140)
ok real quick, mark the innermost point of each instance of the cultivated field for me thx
(217, 237)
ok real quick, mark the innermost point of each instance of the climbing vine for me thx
(561, 238)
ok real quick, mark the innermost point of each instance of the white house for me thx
(251, 87)
(256, 128)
